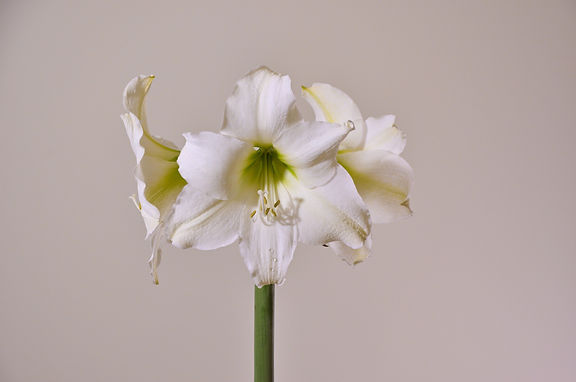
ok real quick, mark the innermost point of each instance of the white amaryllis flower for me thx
(371, 155)
(157, 176)
(268, 179)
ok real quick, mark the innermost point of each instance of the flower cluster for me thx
(269, 179)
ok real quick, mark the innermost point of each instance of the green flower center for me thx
(265, 167)
(265, 170)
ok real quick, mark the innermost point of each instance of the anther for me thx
(277, 203)
(350, 125)
(267, 211)
(252, 214)
(273, 212)
(265, 200)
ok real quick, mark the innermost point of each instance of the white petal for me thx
(156, 174)
(154, 260)
(267, 249)
(134, 96)
(213, 163)
(382, 134)
(383, 180)
(135, 92)
(202, 222)
(311, 148)
(157, 177)
(260, 106)
(333, 105)
(352, 256)
(150, 214)
(162, 182)
(331, 212)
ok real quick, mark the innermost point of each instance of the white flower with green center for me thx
(371, 155)
(157, 176)
(268, 179)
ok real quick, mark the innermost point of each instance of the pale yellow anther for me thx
(252, 214)
(136, 202)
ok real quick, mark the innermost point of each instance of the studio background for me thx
(479, 285)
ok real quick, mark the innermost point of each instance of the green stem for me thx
(264, 334)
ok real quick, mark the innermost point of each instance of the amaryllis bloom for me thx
(371, 155)
(268, 179)
(157, 176)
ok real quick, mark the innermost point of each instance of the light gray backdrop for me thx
(480, 285)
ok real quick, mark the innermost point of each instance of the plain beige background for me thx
(480, 285)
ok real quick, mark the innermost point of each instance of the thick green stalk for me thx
(264, 334)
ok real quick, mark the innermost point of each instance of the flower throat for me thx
(266, 170)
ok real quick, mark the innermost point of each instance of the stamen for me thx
(136, 202)
(267, 170)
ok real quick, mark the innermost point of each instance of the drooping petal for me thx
(333, 105)
(156, 173)
(267, 248)
(352, 256)
(134, 96)
(310, 148)
(162, 184)
(331, 212)
(382, 134)
(212, 163)
(157, 177)
(202, 222)
(156, 257)
(383, 179)
(260, 106)
(150, 214)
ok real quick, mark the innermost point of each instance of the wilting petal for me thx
(202, 222)
(352, 256)
(383, 180)
(333, 105)
(260, 106)
(310, 148)
(212, 163)
(382, 134)
(267, 248)
(331, 212)
(156, 174)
